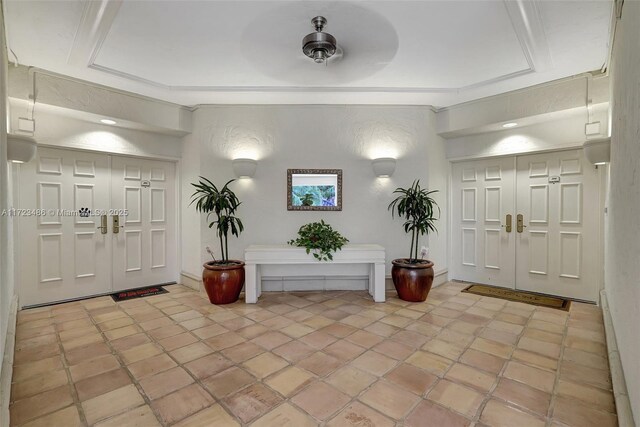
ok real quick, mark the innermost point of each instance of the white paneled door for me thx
(145, 244)
(483, 196)
(558, 248)
(546, 236)
(66, 242)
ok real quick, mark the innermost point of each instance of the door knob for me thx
(116, 224)
(507, 225)
(520, 223)
(103, 224)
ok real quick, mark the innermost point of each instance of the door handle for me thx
(507, 226)
(103, 224)
(116, 224)
(520, 223)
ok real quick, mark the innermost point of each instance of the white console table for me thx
(257, 255)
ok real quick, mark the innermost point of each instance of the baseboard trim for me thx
(191, 281)
(6, 371)
(441, 277)
(620, 393)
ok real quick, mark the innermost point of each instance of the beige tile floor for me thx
(306, 359)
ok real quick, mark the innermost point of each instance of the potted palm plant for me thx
(412, 276)
(223, 278)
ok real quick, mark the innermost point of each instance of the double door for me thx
(529, 223)
(91, 224)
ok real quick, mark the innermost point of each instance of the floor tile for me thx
(499, 414)
(111, 403)
(40, 404)
(570, 412)
(318, 340)
(390, 399)
(411, 378)
(358, 415)
(320, 364)
(139, 417)
(522, 395)
(182, 403)
(429, 414)
(598, 397)
(93, 367)
(252, 402)
(151, 366)
(39, 384)
(429, 362)
(459, 398)
(536, 378)
(466, 375)
(393, 349)
(140, 352)
(228, 381)
(483, 361)
(289, 380)
(271, 340)
(214, 415)
(285, 416)
(208, 365)
(177, 341)
(585, 375)
(344, 350)
(67, 417)
(226, 340)
(294, 351)
(105, 382)
(351, 380)
(265, 364)
(321, 400)
(191, 352)
(28, 370)
(457, 359)
(165, 382)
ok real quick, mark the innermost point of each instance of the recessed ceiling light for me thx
(108, 121)
(510, 125)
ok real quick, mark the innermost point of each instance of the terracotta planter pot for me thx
(412, 281)
(223, 282)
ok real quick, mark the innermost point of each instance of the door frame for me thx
(18, 203)
(603, 175)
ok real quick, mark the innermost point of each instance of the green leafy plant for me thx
(320, 238)
(417, 208)
(223, 204)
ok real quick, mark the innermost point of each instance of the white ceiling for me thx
(406, 52)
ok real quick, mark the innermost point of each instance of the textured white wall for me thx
(340, 137)
(60, 128)
(6, 248)
(566, 131)
(622, 247)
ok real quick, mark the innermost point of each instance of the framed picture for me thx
(314, 189)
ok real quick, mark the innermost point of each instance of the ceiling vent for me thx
(319, 46)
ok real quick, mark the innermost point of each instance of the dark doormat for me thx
(520, 296)
(138, 293)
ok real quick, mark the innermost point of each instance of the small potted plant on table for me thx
(411, 276)
(320, 238)
(223, 278)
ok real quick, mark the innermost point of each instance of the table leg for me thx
(379, 283)
(250, 284)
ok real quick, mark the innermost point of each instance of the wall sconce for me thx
(384, 167)
(21, 148)
(244, 168)
(598, 151)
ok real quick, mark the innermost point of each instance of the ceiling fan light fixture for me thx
(319, 46)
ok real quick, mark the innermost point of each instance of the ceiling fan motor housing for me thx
(319, 45)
